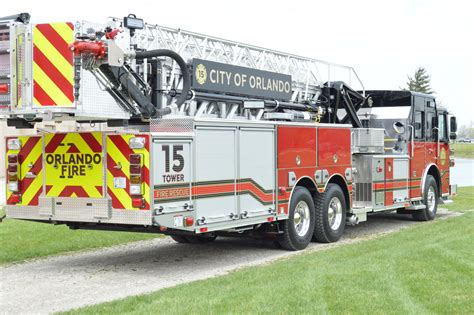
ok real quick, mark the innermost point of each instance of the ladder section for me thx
(308, 74)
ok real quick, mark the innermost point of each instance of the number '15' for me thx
(177, 157)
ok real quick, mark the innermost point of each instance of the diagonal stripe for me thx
(65, 30)
(35, 200)
(40, 96)
(36, 186)
(63, 80)
(61, 44)
(49, 86)
(28, 147)
(42, 43)
(53, 142)
(91, 141)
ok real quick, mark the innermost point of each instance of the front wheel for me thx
(298, 229)
(430, 199)
(330, 215)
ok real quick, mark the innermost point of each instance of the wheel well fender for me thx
(432, 170)
(306, 182)
(339, 180)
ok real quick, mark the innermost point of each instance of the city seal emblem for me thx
(201, 74)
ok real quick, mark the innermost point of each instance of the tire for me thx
(179, 239)
(330, 215)
(298, 228)
(430, 199)
(201, 239)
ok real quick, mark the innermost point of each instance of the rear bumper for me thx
(79, 210)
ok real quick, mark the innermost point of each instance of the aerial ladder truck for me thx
(208, 137)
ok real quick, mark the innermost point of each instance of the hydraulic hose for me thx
(181, 63)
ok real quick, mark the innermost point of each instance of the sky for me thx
(383, 40)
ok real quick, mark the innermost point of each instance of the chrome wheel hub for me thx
(335, 213)
(301, 218)
(431, 199)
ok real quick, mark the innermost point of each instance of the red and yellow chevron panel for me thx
(74, 164)
(30, 170)
(118, 175)
(53, 70)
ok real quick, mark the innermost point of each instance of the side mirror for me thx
(453, 124)
(452, 136)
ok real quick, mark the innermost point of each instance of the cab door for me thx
(443, 155)
(431, 128)
(417, 146)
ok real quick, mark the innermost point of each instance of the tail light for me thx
(12, 170)
(136, 143)
(12, 158)
(12, 187)
(135, 159)
(138, 202)
(14, 144)
(135, 189)
(135, 169)
(4, 88)
(14, 198)
(188, 221)
(136, 181)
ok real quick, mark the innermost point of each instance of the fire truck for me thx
(197, 137)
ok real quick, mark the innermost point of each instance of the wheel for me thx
(430, 199)
(201, 239)
(330, 215)
(179, 238)
(298, 228)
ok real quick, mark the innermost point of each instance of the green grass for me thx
(464, 200)
(22, 240)
(463, 150)
(424, 269)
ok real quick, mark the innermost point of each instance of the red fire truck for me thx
(208, 137)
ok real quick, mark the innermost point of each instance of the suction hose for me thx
(182, 65)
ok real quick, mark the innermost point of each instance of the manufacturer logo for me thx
(201, 74)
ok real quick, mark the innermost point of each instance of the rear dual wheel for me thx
(322, 219)
(298, 229)
(330, 215)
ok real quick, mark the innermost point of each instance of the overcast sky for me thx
(383, 40)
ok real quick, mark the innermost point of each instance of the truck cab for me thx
(415, 126)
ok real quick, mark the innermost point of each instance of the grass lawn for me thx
(424, 269)
(23, 240)
(463, 150)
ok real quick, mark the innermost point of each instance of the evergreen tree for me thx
(420, 82)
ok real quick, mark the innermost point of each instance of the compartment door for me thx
(215, 184)
(172, 176)
(256, 184)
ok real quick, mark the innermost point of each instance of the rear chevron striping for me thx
(91, 142)
(118, 152)
(30, 174)
(40, 96)
(53, 71)
(54, 142)
(61, 44)
(62, 81)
